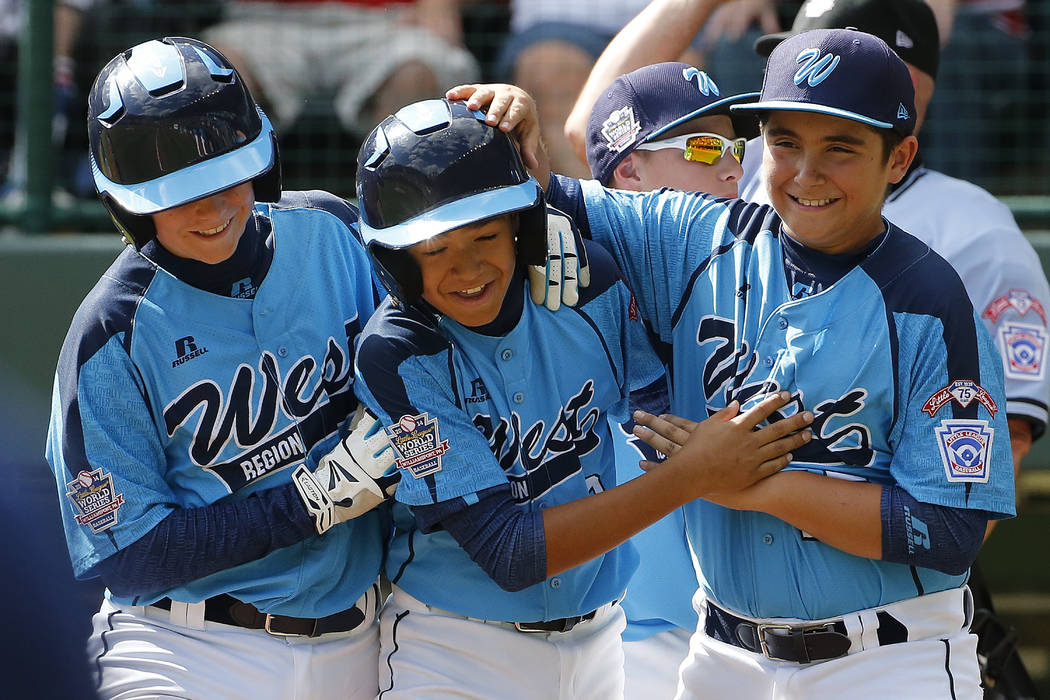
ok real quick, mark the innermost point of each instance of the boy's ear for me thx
(901, 157)
(625, 175)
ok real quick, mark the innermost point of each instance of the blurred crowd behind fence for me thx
(988, 119)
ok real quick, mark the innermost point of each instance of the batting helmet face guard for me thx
(170, 121)
(432, 167)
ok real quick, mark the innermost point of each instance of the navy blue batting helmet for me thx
(170, 121)
(432, 167)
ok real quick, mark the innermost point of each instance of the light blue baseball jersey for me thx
(904, 381)
(466, 412)
(167, 396)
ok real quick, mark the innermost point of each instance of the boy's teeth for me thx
(813, 202)
(473, 290)
(213, 231)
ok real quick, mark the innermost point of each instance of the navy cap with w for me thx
(645, 104)
(840, 72)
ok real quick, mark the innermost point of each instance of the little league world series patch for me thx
(620, 128)
(965, 448)
(93, 496)
(417, 444)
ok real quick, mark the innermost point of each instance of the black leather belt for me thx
(563, 624)
(802, 644)
(227, 610)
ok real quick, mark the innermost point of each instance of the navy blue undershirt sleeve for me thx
(506, 541)
(932, 536)
(192, 543)
(566, 194)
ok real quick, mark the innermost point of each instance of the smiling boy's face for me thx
(827, 178)
(467, 271)
(208, 229)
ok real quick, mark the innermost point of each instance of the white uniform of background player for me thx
(964, 223)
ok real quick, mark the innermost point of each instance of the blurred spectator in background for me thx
(728, 39)
(979, 128)
(550, 51)
(369, 57)
(68, 15)
(10, 23)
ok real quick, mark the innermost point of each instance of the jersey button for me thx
(767, 538)
(518, 397)
(555, 583)
(768, 361)
(282, 351)
(507, 354)
(782, 323)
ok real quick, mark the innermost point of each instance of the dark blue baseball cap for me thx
(841, 72)
(644, 104)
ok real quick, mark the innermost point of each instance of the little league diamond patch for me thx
(962, 391)
(417, 444)
(93, 496)
(620, 128)
(1024, 350)
(966, 446)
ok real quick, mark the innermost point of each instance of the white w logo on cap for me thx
(815, 69)
(704, 82)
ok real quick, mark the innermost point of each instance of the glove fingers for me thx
(570, 266)
(537, 284)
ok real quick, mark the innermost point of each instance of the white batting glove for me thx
(352, 479)
(566, 269)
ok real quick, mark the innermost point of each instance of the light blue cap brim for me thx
(808, 107)
(195, 181)
(713, 107)
(460, 212)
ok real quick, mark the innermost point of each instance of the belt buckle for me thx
(792, 630)
(267, 625)
(762, 629)
(567, 623)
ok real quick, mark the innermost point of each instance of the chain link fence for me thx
(987, 122)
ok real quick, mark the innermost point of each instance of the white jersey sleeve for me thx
(1002, 273)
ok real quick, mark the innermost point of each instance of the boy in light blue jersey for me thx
(844, 575)
(507, 558)
(663, 125)
(200, 399)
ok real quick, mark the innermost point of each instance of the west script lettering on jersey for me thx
(221, 418)
(728, 371)
(572, 436)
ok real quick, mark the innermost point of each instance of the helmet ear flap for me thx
(137, 229)
(267, 186)
(399, 273)
(532, 235)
